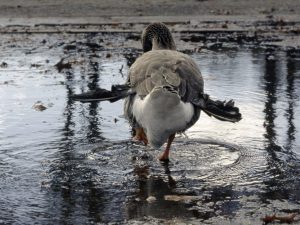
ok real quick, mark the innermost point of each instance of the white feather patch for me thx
(162, 114)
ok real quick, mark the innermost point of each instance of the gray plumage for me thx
(165, 68)
(164, 91)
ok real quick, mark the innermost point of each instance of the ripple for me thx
(202, 178)
(209, 161)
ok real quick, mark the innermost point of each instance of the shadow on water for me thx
(89, 178)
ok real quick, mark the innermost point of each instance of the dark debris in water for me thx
(79, 46)
(61, 65)
(3, 65)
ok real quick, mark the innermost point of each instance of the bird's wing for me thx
(166, 67)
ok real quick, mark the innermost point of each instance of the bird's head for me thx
(157, 36)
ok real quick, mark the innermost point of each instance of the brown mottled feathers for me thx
(166, 67)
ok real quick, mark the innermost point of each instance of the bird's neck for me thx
(156, 45)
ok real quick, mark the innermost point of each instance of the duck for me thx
(164, 92)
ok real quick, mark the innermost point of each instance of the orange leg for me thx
(140, 135)
(165, 155)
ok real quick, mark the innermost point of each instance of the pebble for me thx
(151, 199)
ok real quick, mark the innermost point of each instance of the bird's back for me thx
(166, 68)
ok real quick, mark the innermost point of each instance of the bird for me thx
(164, 92)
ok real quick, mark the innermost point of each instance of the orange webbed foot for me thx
(164, 157)
(140, 135)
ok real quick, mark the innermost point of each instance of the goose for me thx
(164, 92)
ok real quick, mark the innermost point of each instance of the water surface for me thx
(74, 163)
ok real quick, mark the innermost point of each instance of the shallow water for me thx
(74, 163)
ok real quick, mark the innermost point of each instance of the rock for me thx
(38, 106)
(151, 199)
(181, 198)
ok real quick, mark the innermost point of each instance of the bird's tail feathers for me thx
(221, 110)
(116, 93)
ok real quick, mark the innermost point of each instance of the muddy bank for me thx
(129, 8)
(189, 34)
(261, 23)
(201, 32)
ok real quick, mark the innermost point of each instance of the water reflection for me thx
(94, 72)
(162, 196)
(73, 183)
(271, 83)
(283, 166)
(274, 89)
(290, 114)
(150, 197)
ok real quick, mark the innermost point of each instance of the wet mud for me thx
(64, 162)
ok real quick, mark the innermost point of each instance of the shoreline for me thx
(283, 32)
(269, 22)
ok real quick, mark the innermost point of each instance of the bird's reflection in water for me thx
(171, 181)
(150, 197)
